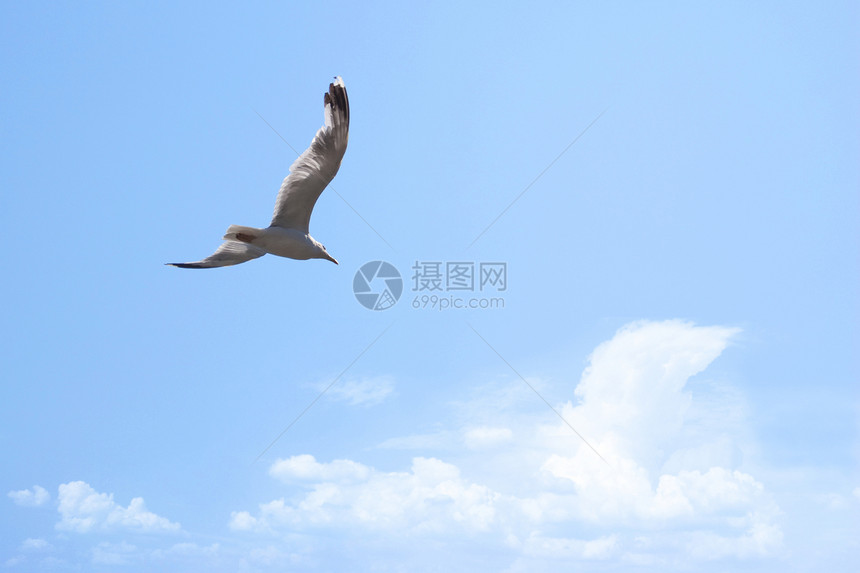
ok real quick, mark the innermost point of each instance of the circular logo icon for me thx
(377, 285)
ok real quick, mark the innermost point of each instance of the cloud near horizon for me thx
(672, 477)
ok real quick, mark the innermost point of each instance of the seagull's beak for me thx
(331, 258)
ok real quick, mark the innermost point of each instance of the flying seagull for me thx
(287, 235)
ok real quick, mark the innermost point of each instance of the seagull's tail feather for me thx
(230, 252)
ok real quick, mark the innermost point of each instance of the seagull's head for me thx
(328, 257)
(322, 253)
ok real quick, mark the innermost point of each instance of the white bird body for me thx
(288, 234)
(289, 243)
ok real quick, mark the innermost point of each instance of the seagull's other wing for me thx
(229, 253)
(317, 166)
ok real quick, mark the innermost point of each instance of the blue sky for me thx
(681, 289)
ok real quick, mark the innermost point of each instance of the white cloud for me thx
(82, 509)
(243, 521)
(192, 549)
(632, 395)
(30, 498)
(832, 501)
(624, 492)
(673, 477)
(188, 550)
(15, 561)
(270, 556)
(364, 392)
(566, 548)
(636, 410)
(486, 437)
(34, 545)
(121, 553)
(436, 441)
(761, 539)
(430, 497)
(305, 467)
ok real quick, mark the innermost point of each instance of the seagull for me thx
(287, 235)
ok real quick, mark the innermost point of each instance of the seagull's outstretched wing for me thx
(317, 166)
(229, 253)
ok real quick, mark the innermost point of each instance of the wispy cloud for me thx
(37, 544)
(107, 553)
(485, 437)
(364, 391)
(443, 440)
(187, 551)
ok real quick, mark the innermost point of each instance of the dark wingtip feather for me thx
(338, 99)
(186, 265)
